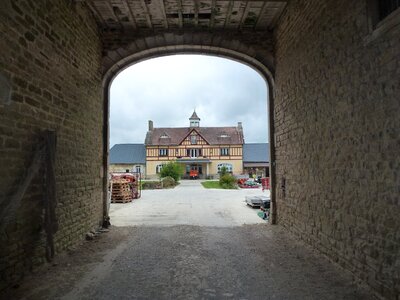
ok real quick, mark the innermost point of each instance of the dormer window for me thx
(164, 136)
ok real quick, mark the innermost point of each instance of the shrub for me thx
(168, 182)
(227, 182)
(151, 185)
(172, 169)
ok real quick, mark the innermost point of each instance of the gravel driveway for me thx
(188, 204)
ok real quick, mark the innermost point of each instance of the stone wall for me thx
(51, 53)
(338, 137)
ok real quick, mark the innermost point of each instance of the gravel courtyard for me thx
(191, 243)
(188, 204)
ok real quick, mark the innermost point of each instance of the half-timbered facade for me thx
(204, 149)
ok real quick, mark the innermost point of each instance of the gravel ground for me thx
(188, 204)
(160, 258)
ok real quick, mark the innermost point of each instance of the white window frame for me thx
(193, 139)
(194, 152)
(163, 152)
(224, 151)
(229, 167)
(138, 167)
(159, 168)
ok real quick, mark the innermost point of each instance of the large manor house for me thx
(202, 149)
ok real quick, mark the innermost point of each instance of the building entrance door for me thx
(194, 167)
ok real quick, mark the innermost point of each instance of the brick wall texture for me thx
(337, 137)
(51, 53)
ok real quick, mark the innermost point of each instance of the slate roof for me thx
(128, 154)
(213, 135)
(257, 152)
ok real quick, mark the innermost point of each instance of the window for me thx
(158, 168)
(138, 169)
(163, 152)
(224, 151)
(194, 124)
(194, 152)
(193, 139)
(227, 166)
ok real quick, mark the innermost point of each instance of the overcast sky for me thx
(166, 90)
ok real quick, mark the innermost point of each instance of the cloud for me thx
(167, 89)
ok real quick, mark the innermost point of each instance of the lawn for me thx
(213, 184)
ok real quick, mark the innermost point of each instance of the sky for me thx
(168, 89)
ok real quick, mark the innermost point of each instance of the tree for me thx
(223, 171)
(173, 169)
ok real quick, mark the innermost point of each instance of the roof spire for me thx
(194, 120)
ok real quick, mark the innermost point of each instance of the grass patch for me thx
(213, 184)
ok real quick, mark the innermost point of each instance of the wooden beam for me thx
(180, 11)
(262, 10)
(8, 214)
(130, 13)
(50, 198)
(213, 11)
(110, 8)
(148, 17)
(96, 13)
(245, 12)
(229, 13)
(196, 13)
(162, 5)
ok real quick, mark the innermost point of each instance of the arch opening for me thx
(241, 58)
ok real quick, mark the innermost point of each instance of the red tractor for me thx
(194, 174)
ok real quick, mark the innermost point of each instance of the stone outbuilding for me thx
(256, 159)
(128, 158)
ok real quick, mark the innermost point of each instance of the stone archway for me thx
(259, 58)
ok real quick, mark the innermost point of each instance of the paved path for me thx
(188, 204)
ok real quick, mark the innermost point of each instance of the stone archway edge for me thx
(160, 51)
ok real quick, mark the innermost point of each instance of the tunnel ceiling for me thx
(139, 15)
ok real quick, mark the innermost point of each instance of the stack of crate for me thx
(121, 191)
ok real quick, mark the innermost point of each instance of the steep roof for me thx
(128, 154)
(213, 135)
(256, 152)
(194, 116)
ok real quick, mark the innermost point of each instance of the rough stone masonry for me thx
(338, 136)
(335, 82)
(51, 53)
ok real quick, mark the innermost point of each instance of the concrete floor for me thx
(188, 204)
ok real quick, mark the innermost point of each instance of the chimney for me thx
(240, 130)
(151, 125)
